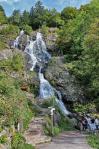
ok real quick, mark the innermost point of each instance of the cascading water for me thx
(47, 91)
(38, 54)
(16, 42)
(29, 50)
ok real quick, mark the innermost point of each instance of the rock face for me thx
(22, 42)
(51, 41)
(59, 76)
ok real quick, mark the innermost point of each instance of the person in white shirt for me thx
(97, 123)
(88, 119)
(93, 126)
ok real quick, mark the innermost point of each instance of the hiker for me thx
(84, 124)
(93, 126)
(88, 119)
(97, 123)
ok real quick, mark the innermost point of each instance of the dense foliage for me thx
(79, 42)
(13, 103)
(7, 33)
(3, 19)
(18, 141)
(37, 17)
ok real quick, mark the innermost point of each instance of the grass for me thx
(93, 141)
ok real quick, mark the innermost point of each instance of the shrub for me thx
(49, 129)
(19, 142)
(28, 146)
(2, 45)
(15, 64)
(28, 29)
(7, 34)
(44, 30)
(93, 140)
(3, 139)
(13, 103)
(84, 108)
(10, 31)
(48, 126)
(65, 124)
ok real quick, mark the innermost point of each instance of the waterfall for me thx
(16, 42)
(47, 92)
(38, 55)
(29, 50)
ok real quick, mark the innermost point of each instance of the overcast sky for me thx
(10, 5)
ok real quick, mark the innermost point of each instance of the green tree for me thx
(69, 13)
(79, 42)
(54, 19)
(3, 18)
(15, 18)
(25, 18)
(36, 15)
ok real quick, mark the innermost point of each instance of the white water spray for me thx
(16, 42)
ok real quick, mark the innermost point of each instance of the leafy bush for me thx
(48, 126)
(3, 139)
(18, 142)
(56, 130)
(44, 30)
(28, 146)
(8, 33)
(82, 108)
(28, 29)
(65, 124)
(15, 64)
(49, 129)
(13, 103)
(2, 45)
(79, 41)
(93, 140)
(3, 18)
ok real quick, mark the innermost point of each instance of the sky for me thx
(10, 5)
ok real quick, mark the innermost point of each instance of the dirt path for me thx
(67, 140)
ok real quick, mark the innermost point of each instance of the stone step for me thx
(35, 134)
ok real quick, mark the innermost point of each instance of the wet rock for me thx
(59, 76)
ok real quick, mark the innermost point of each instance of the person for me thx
(93, 126)
(97, 122)
(84, 124)
(88, 119)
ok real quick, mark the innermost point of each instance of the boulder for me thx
(58, 75)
